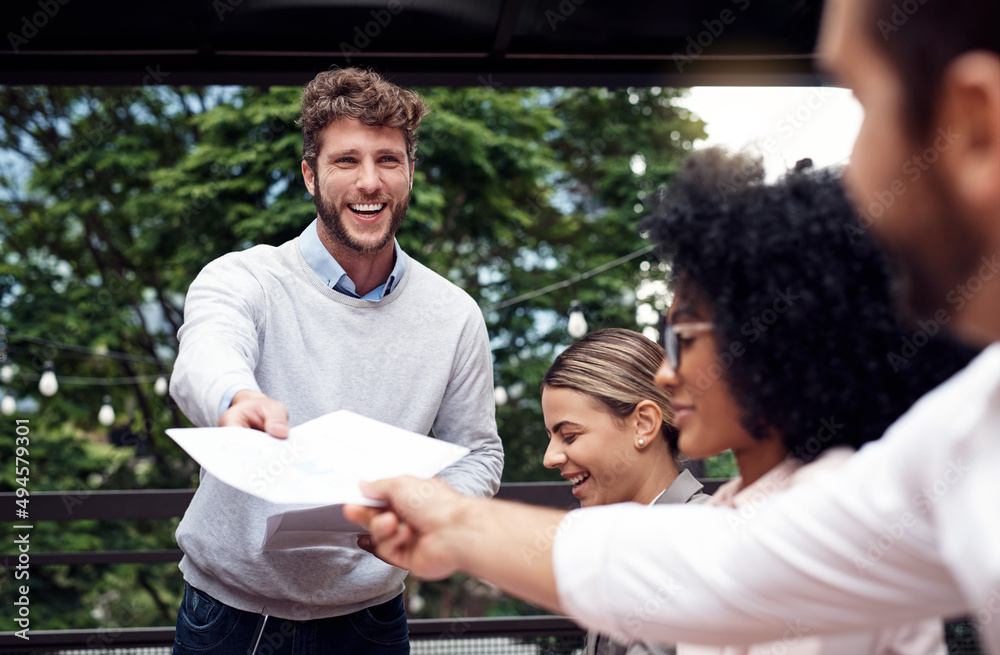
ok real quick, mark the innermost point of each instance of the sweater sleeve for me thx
(467, 415)
(219, 340)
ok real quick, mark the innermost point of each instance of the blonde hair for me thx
(362, 95)
(616, 368)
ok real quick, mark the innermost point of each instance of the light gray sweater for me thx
(418, 359)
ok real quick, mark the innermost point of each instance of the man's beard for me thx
(334, 222)
(927, 272)
(917, 291)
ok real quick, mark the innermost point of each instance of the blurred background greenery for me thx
(112, 199)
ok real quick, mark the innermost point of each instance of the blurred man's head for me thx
(925, 171)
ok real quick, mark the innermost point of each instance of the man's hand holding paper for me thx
(320, 464)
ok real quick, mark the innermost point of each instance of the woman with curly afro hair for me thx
(783, 346)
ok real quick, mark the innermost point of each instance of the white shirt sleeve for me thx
(909, 529)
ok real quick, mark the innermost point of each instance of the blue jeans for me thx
(206, 626)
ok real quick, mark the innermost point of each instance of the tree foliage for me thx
(112, 200)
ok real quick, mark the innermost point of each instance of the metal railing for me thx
(522, 628)
(171, 503)
(514, 634)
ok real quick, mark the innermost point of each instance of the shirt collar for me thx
(332, 273)
(680, 490)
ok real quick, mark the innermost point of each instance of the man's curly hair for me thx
(362, 95)
(809, 299)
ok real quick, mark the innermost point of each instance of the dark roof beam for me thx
(510, 11)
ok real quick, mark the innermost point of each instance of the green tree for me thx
(614, 149)
(113, 199)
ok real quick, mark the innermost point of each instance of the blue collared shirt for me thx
(332, 273)
(334, 276)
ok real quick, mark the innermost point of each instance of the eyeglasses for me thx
(670, 339)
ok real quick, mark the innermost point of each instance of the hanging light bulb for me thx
(160, 386)
(8, 405)
(106, 416)
(48, 385)
(500, 396)
(6, 373)
(577, 326)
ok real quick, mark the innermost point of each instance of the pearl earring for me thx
(642, 442)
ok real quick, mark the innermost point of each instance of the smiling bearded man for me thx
(337, 318)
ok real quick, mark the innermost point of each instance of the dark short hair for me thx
(805, 296)
(921, 37)
(362, 95)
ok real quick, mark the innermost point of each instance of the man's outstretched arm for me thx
(213, 380)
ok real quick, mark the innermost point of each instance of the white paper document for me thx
(320, 463)
(314, 526)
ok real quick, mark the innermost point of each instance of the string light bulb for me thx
(106, 415)
(500, 396)
(8, 405)
(160, 386)
(48, 385)
(577, 326)
(6, 373)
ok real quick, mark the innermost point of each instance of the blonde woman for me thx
(610, 434)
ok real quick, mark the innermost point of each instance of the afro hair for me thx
(806, 296)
